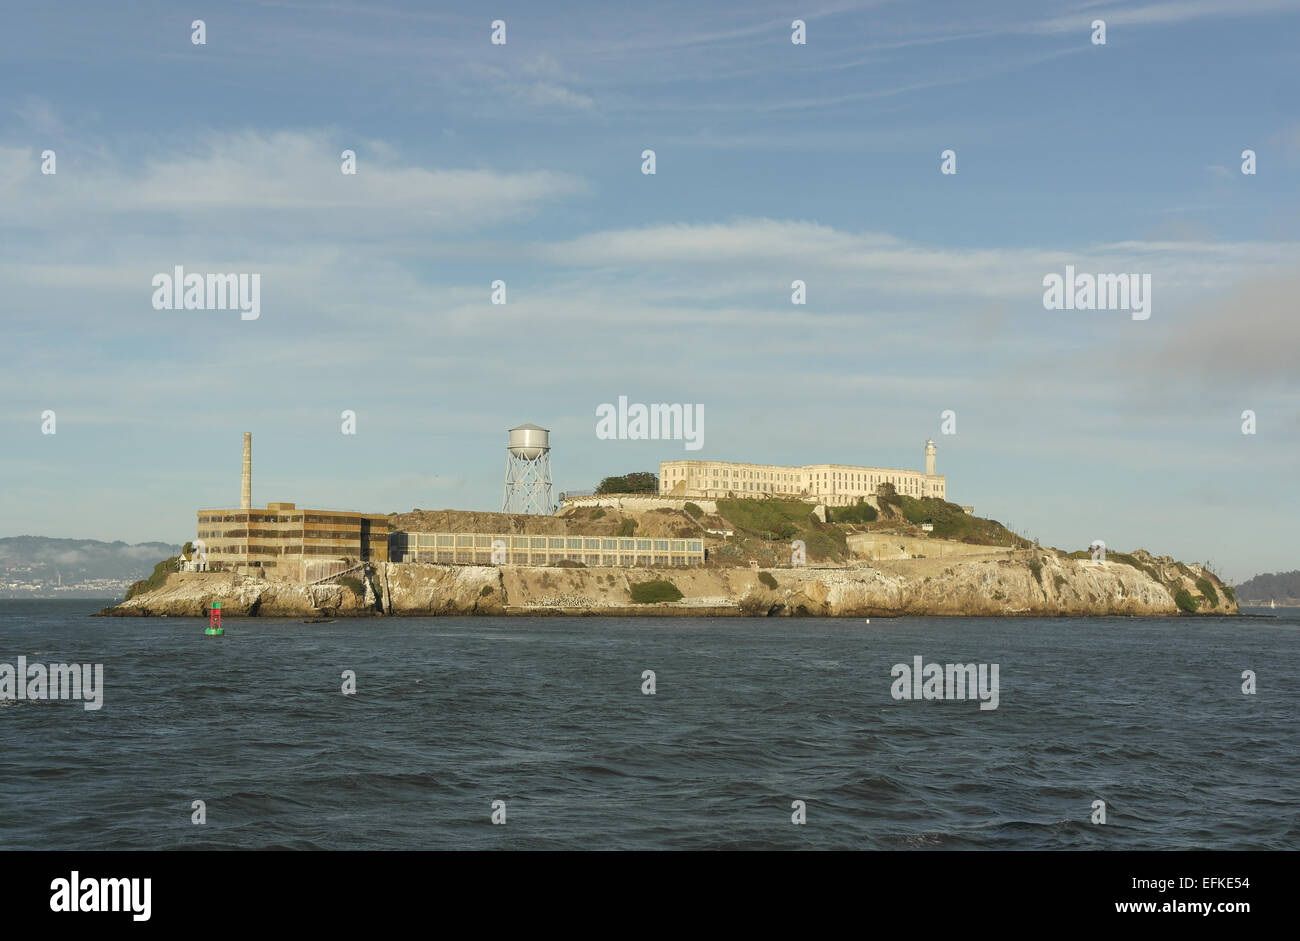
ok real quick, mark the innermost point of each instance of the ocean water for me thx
(548, 715)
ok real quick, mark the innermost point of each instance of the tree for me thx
(637, 482)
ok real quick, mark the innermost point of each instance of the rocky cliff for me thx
(1028, 583)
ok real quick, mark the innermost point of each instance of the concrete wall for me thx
(639, 501)
(887, 546)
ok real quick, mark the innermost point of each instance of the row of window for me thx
(334, 551)
(514, 557)
(478, 540)
(352, 522)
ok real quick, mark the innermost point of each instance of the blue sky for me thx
(775, 162)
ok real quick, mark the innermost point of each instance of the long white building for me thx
(833, 484)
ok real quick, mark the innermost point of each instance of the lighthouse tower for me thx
(929, 458)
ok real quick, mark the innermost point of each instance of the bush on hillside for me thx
(886, 493)
(654, 592)
(693, 510)
(626, 527)
(1206, 588)
(155, 579)
(860, 512)
(1183, 598)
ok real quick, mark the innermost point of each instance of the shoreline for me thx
(1037, 585)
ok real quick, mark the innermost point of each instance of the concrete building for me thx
(284, 541)
(512, 549)
(831, 484)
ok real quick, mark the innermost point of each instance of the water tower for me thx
(528, 471)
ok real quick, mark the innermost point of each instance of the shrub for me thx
(1183, 598)
(570, 564)
(861, 512)
(155, 580)
(637, 482)
(1036, 566)
(597, 513)
(1058, 580)
(1231, 595)
(655, 591)
(487, 590)
(1206, 588)
(693, 510)
(357, 585)
(767, 579)
(626, 527)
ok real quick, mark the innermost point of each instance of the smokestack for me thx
(246, 486)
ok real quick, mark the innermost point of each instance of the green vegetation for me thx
(1036, 566)
(487, 590)
(765, 516)
(570, 564)
(357, 585)
(638, 482)
(1058, 580)
(1232, 595)
(861, 512)
(1206, 588)
(767, 579)
(627, 527)
(1183, 598)
(155, 579)
(952, 522)
(779, 521)
(656, 591)
(597, 513)
(886, 494)
(693, 510)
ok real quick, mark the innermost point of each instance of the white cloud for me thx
(273, 172)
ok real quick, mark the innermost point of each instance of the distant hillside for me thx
(1283, 587)
(40, 558)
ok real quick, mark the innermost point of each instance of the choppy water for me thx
(548, 715)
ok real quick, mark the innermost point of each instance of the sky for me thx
(522, 162)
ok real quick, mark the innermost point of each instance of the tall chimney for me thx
(246, 485)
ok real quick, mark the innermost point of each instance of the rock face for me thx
(1030, 583)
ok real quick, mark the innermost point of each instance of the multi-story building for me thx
(832, 484)
(287, 542)
(511, 549)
